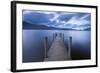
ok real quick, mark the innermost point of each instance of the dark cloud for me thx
(57, 19)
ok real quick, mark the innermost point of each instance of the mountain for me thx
(27, 25)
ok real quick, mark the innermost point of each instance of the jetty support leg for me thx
(45, 46)
(69, 46)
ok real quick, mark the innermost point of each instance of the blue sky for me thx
(70, 20)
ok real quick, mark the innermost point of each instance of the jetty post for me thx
(53, 36)
(69, 45)
(45, 46)
(63, 36)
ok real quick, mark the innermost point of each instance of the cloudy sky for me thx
(70, 20)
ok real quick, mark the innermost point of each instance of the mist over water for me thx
(33, 44)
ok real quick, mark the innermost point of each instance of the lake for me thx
(33, 44)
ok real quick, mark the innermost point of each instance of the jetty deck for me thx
(58, 51)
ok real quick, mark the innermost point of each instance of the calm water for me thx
(33, 49)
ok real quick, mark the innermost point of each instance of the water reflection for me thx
(33, 49)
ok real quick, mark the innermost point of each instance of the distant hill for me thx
(27, 25)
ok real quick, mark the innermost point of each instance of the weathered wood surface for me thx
(58, 50)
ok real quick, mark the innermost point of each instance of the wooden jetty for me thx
(58, 51)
